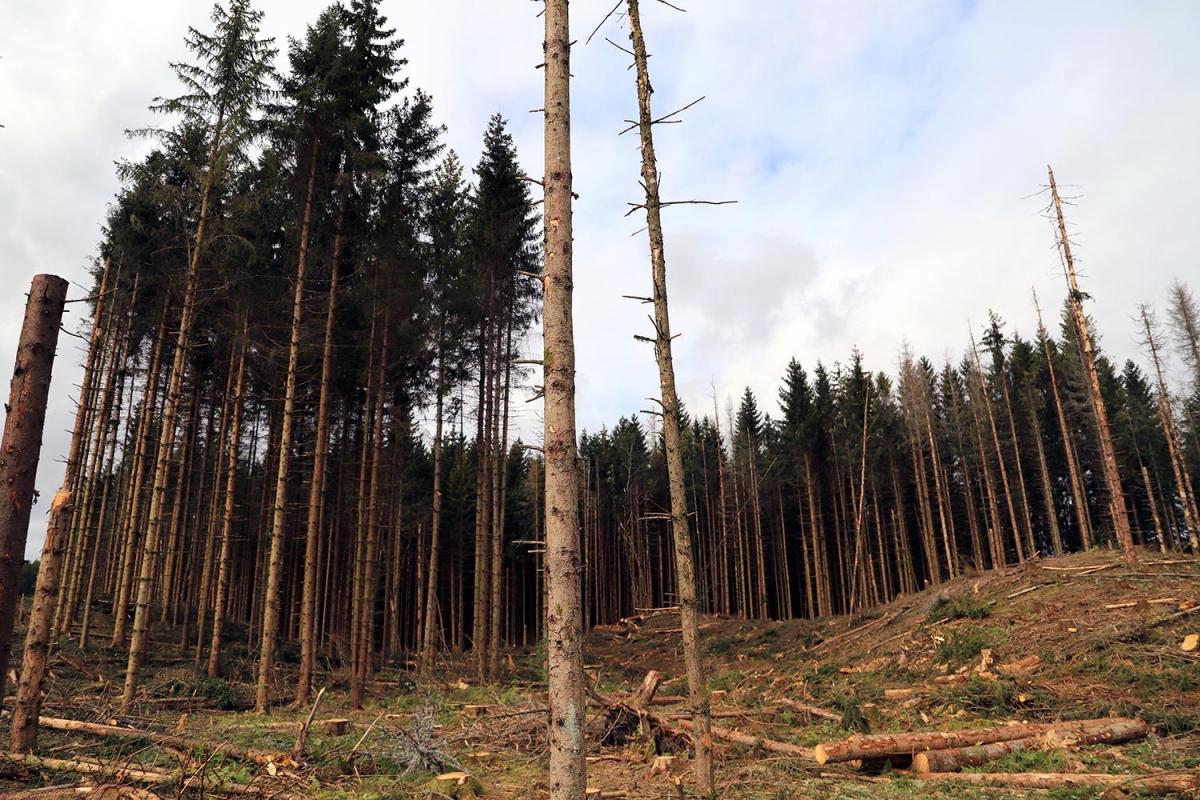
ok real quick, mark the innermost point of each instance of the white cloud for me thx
(882, 155)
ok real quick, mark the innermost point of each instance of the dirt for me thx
(1034, 643)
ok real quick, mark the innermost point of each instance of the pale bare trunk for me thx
(1112, 477)
(568, 713)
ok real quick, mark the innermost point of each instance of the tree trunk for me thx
(429, 634)
(41, 620)
(1112, 477)
(21, 446)
(685, 577)
(568, 768)
(316, 489)
(166, 437)
(1073, 472)
(270, 626)
(224, 560)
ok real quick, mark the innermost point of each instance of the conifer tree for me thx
(223, 92)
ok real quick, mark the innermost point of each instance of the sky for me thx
(888, 160)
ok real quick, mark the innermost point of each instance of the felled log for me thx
(736, 737)
(870, 748)
(812, 711)
(96, 729)
(1183, 783)
(957, 758)
(118, 771)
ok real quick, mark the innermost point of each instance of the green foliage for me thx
(726, 681)
(964, 607)
(28, 579)
(988, 698)
(853, 717)
(963, 645)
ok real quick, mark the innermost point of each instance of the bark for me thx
(141, 458)
(28, 701)
(1183, 784)
(21, 446)
(270, 620)
(564, 615)
(1166, 418)
(166, 438)
(1004, 482)
(316, 489)
(224, 560)
(365, 640)
(429, 634)
(957, 758)
(1112, 477)
(685, 577)
(908, 744)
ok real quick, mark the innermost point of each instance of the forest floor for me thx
(1057, 639)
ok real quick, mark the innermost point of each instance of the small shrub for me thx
(964, 607)
(965, 645)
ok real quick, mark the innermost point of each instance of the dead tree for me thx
(564, 607)
(1073, 472)
(684, 567)
(1166, 418)
(1108, 456)
(20, 450)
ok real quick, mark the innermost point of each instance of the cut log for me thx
(645, 693)
(1183, 783)
(118, 771)
(335, 727)
(728, 735)
(955, 759)
(812, 711)
(869, 748)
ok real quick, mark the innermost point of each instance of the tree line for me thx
(293, 450)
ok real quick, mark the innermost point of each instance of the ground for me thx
(1078, 637)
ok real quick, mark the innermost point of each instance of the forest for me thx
(294, 463)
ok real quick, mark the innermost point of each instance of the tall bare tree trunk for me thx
(429, 634)
(366, 621)
(166, 436)
(1004, 482)
(568, 769)
(20, 449)
(1166, 418)
(41, 620)
(316, 489)
(270, 626)
(1112, 476)
(141, 460)
(681, 534)
(1047, 491)
(1073, 473)
(224, 560)
(499, 491)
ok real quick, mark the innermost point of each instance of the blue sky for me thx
(885, 157)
